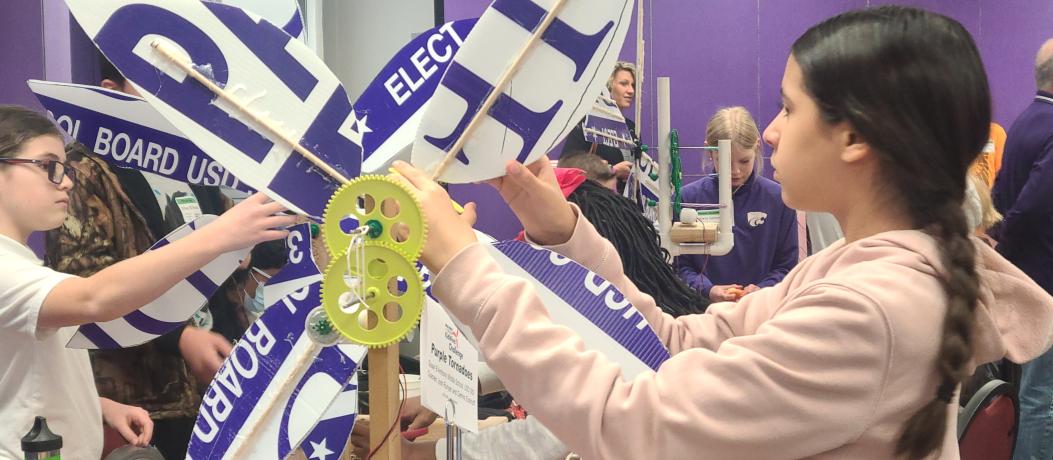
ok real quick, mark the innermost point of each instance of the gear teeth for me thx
(394, 264)
(343, 202)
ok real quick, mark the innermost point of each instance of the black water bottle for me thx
(40, 443)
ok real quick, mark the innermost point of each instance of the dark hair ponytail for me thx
(644, 260)
(911, 84)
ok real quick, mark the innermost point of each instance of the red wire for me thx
(396, 422)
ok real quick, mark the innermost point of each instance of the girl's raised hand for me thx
(534, 196)
(448, 231)
(255, 220)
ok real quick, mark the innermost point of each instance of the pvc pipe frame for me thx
(725, 236)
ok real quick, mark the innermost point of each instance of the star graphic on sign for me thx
(357, 128)
(319, 450)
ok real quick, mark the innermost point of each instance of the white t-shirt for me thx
(38, 374)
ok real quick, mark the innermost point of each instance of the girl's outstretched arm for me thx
(127, 285)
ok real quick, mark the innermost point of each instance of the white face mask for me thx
(254, 304)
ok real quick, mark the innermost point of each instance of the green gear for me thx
(384, 266)
(319, 329)
(366, 199)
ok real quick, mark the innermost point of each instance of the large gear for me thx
(394, 296)
(386, 206)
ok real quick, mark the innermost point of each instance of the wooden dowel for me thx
(165, 50)
(302, 362)
(498, 89)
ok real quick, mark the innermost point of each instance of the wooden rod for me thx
(166, 50)
(302, 362)
(498, 89)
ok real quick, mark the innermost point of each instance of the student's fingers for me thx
(271, 235)
(539, 165)
(148, 430)
(520, 175)
(469, 215)
(273, 207)
(416, 177)
(140, 422)
(124, 427)
(278, 221)
(258, 197)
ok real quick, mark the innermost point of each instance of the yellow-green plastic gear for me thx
(394, 296)
(386, 205)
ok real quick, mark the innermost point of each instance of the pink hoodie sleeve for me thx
(803, 382)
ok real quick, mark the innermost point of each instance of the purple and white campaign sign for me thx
(553, 88)
(283, 13)
(605, 124)
(270, 393)
(168, 312)
(128, 133)
(580, 300)
(272, 75)
(586, 303)
(300, 272)
(396, 98)
(645, 175)
(330, 435)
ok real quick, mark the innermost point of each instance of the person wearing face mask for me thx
(622, 85)
(239, 302)
(765, 228)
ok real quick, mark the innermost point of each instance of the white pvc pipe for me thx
(725, 236)
(665, 188)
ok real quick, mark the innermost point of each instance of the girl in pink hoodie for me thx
(859, 351)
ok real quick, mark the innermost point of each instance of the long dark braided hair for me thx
(912, 85)
(634, 237)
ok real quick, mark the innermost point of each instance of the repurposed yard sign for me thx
(397, 97)
(168, 312)
(518, 85)
(283, 13)
(583, 301)
(249, 95)
(126, 132)
(605, 124)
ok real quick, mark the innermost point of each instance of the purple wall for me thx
(36, 38)
(732, 52)
(22, 56)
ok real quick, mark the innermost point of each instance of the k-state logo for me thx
(756, 219)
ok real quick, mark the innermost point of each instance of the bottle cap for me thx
(40, 438)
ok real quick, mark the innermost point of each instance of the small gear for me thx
(387, 207)
(319, 329)
(393, 291)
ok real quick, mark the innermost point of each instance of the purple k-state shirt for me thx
(765, 237)
(1023, 192)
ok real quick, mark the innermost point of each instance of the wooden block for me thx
(699, 232)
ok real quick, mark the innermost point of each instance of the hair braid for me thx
(960, 281)
(634, 237)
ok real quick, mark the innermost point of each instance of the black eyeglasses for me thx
(55, 169)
